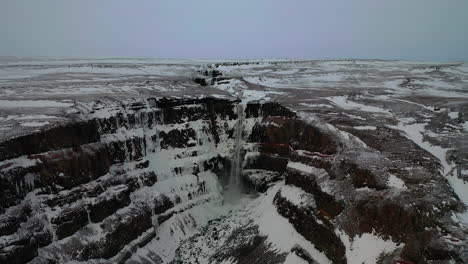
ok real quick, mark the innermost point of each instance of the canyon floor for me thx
(256, 161)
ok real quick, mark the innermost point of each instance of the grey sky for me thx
(435, 30)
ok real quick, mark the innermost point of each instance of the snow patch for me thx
(306, 168)
(32, 103)
(365, 127)
(316, 105)
(34, 124)
(278, 229)
(294, 259)
(253, 95)
(453, 115)
(395, 182)
(297, 196)
(365, 249)
(354, 116)
(343, 102)
(414, 132)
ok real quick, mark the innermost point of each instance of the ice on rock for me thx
(356, 160)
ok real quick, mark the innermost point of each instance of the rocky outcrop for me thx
(98, 189)
(326, 203)
(89, 180)
(317, 229)
(248, 246)
(353, 192)
(52, 171)
(65, 136)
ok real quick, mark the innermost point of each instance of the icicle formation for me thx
(235, 177)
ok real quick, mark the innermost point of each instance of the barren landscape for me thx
(255, 161)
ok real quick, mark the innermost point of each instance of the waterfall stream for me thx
(235, 181)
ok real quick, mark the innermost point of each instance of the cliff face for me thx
(338, 194)
(85, 190)
(210, 180)
(99, 189)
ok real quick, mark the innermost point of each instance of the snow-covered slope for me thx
(192, 161)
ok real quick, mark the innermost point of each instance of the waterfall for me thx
(119, 128)
(132, 152)
(235, 180)
(149, 128)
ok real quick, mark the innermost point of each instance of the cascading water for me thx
(120, 127)
(235, 181)
(150, 131)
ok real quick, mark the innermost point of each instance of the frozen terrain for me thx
(199, 161)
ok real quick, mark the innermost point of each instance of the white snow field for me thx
(366, 104)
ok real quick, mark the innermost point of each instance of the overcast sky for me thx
(431, 30)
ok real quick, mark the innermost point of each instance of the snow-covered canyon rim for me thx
(162, 161)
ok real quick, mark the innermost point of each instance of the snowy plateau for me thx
(242, 162)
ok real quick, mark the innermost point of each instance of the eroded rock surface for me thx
(332, 168)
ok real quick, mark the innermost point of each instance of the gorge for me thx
(233, 163)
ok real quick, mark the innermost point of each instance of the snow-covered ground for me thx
(426, 103)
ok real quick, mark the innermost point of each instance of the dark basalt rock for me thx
(72, 167)
(14, 186)
(259, 133)
(267, 162)
(324, 201)
(294, 133)
(200, 81)
(107, 204)
(23, 245)
(414, 224)
(183, 113)
(247, 246)
(267, 109)
(129, 150)
(135, 147)
(65, 136)
(260, 180)
(437, 253)
(9, 224)
(88, 183)
(177, 111)
(119, 230)
(361, 177)
(212, 73)
(147, 178)
(314, 161)
(177, 138)
(389, 217)
(55, 170)
(162, 204)
(305, 222)
(302, 253)
(70, 220)
(283, 150)
(20, 252)
(219, 165)
(142, 165)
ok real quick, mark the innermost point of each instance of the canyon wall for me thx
(96, 190)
